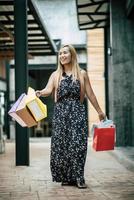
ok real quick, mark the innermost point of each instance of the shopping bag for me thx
(104, 136)
(24, 113)
(35, 105)
(13, 114)
(20, 113)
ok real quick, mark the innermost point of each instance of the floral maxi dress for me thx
(69, 133)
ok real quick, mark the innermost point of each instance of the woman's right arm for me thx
(48, 89)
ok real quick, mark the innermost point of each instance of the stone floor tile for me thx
(107, 179)
(5, 196)
(24, 196)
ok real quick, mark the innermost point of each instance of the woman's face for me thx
(64, 56)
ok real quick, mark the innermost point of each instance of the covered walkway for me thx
(106, 177)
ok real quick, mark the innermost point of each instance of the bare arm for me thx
(48, 89)
(91, 96)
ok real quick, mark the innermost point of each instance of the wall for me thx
(95, 49)
(121, 73)
(60, 20)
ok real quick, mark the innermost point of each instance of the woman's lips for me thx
(63, 60)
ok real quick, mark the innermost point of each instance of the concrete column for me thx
(21, 74)
(7, 106)
(121, 73)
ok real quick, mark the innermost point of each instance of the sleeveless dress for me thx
(69, 133)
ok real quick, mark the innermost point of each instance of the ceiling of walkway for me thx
(92, 13)
(39, 41)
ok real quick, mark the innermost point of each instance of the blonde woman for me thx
(70, 84)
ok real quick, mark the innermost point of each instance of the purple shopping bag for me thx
(13, 114)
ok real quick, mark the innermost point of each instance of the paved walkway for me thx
(107, 179)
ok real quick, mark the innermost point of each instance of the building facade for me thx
(117, 20)
(120, 42)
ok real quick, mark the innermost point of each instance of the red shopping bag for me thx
(104, 139)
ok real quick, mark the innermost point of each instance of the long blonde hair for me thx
(76, 70)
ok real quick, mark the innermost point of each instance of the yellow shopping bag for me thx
(35, 105)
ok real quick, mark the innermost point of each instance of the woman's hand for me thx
(102, 116)
(38, 93)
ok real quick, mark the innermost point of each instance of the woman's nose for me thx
(62, 56)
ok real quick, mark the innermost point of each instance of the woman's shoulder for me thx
(83, 72)
(54, 74)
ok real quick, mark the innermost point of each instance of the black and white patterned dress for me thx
(69, 133)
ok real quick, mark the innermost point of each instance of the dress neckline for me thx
(64, 74)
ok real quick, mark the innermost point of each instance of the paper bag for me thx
(13, 114)
(21, 114)
(24, 113)
(103, 135)
(104, 139)
(35, 105)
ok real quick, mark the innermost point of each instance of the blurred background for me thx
(102, 33)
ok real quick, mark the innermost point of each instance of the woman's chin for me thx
(64, 63)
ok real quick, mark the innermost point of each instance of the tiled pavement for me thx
(106, 178)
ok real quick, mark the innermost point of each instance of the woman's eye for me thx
(64, 52)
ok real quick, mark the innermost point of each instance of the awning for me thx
(39, 41)
(130, 9)
(92, 13)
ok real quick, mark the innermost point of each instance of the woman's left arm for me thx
(91, 96)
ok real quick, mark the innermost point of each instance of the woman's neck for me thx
(68, 69)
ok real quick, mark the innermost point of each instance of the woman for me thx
(70, 132)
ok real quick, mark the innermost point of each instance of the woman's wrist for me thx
(101, 115)
(99, 111)
(41, 94)
(38, 93)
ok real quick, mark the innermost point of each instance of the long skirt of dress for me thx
(69, 135)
